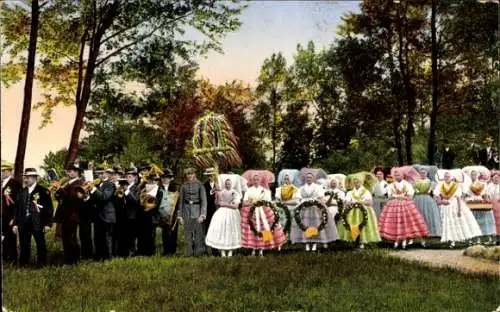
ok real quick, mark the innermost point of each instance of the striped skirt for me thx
(250, 240)
(401, 220)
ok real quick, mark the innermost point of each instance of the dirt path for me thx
(450, 258)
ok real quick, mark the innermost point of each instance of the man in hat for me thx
(70, 197)
(488, 156)
(32, 216)
(447, 156)
(10, 189)
(210, 189)
(168, 209)
(132, 208)
(119, 228)
(147, 217)
(193, 208)
(102, 196)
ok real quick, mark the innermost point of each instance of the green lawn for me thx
(365, 280)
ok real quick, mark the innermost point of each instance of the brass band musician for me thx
(70, 197)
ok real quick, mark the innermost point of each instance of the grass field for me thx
(341, 280)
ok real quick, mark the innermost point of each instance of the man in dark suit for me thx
(210, 189)
(32, 216)
(168, 212)
(131, 209)
(447, 157)
(102, 196)
(148, 218)
(488, 156)
(10, 189)
(70, 197)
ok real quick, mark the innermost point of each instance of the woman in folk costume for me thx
(224, 232)
(369, 233)
(493, 195)
(311, 217)
(475, 190)
(400, 219)
(458, 222)
(263, 218)
(288, 193)
(426, 204)
(379, 191)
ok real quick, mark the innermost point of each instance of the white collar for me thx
(31, 188)
(4, 182)
(73, 180)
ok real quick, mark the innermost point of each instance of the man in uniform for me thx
(193, 208)
(102, 196)
(32, 217)
(70, 197)
(168, 209)
(131, 209)
(10, 189)
(488, 156)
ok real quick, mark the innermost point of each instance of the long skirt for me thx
(368, 234)
(457, 228)
(401, 220)
(496, 213)
(378, 204)
(429, 209)
(250, 240)
(311, 217)
(224, 231)
(486, 221)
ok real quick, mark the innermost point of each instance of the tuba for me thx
(147, 201)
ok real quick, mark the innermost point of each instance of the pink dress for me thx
(400, 218)
(248, 238)
(493, 191)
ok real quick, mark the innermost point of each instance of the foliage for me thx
(55, 160)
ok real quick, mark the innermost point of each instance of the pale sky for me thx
(268, 27)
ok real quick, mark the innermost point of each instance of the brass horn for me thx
(147, 201)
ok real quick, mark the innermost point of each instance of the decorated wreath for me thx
(353, 228)
(288, 223)
(264, 234)
(340, 203)
(311, 231)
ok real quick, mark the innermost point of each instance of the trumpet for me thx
(61, 183)
(147, 201)
(84, 190)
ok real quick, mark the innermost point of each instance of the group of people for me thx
(118, 213)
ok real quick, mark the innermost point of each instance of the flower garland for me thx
(340, 203)
(353, 228)
(311, 231)
(262, 203)
(288, 223)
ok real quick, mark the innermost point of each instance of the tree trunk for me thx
(431, 144)
(409, 90)
(397, 138)
(28, 92)
(82, 102)
(274, 106)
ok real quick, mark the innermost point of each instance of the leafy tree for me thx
(81, 39)
(297, 135)
(271, 85)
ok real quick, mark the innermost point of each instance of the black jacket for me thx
(41, 214)
(103, 199)
(12, 189)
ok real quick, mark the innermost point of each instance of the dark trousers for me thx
(194, 237)
(25, 232)
(103, 239)
(85, 233)
(169, 239)
(9, 243)
(70, 243)
(146, 235)
(128, 238)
